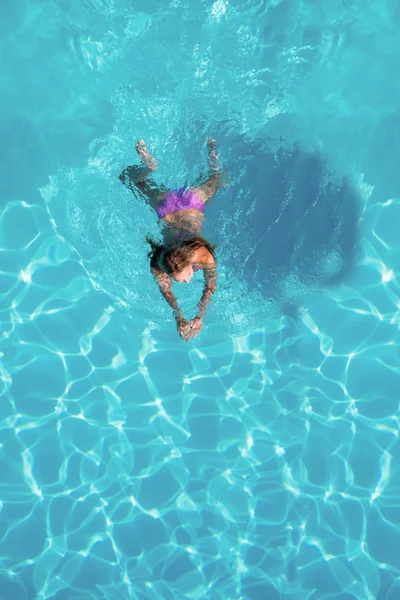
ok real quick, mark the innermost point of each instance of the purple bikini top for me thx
(181, 199)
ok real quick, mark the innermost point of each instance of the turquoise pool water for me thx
(260, 461)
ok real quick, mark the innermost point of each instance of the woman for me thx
(184, 251)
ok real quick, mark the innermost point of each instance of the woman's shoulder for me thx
(204, 257)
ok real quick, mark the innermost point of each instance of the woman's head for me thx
(176, 260)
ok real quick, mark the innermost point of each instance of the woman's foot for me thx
(212, 154)
(145, 155)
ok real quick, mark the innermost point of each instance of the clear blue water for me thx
(259, 461)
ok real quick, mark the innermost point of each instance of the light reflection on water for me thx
(239, 466)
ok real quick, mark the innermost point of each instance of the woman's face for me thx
(183, 276)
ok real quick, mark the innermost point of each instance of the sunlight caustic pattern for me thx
(261, 460)
(226, 477)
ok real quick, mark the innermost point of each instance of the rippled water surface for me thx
(259, 461)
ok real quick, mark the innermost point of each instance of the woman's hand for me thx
(187, 330)
(183, 327)
(195, 327)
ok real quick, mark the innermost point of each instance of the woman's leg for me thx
(135, 176)
(209, 188)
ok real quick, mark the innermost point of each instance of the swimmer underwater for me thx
(183, 250)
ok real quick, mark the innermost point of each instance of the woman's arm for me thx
(210, 277)
(165, 285)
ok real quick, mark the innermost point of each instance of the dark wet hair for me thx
(174, 258)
